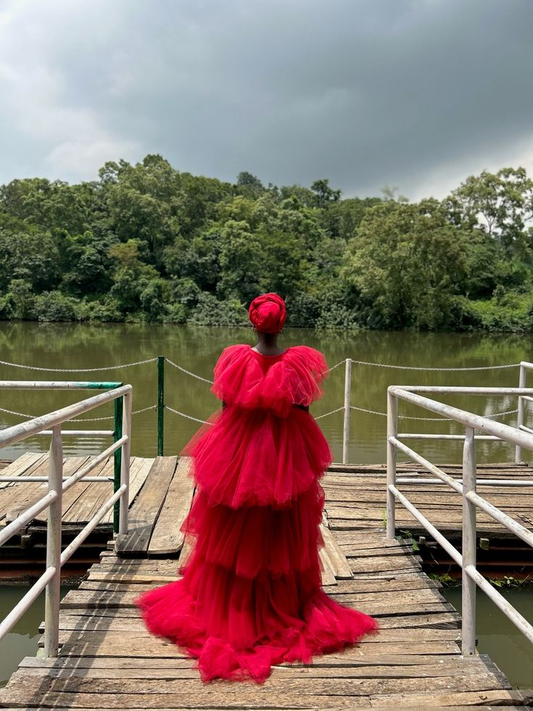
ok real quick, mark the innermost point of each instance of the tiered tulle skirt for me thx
(251, 595)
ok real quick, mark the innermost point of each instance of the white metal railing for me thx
(57, 485)
(466, 487)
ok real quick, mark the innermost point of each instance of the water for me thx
(196, 349)
(500, 639)
(23, 639)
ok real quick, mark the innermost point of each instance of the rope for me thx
(111, 417)
(428, 419)
(455, 370)
(77, 419)
(336, 366)
(319, 417)
(206, 380)
(189, 417)
(184, 370)
(77, 370)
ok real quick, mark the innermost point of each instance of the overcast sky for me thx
(417, 94)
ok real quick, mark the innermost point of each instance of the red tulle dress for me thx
(251, 595)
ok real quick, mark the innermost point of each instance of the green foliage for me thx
(149, 243)
(407, 262)
(212, 312)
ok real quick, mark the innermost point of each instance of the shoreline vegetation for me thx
(146, 243)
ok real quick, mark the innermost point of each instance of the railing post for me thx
(53, 545)
(125, 464)
(347, 410)
(392, 431)
(160, 405)
(117, 459)
(469, 545)
(520, 418)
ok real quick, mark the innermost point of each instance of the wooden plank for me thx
(166, 536)
(22, 496)
(10, 493)
(340, 566)
(327, 571)
(296, 687)
(81, 489)
(138, 473)
(19, 466)
(146, 508)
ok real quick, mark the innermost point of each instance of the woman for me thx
(251, 594)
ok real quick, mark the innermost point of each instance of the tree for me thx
(324, 195)
(406, 263)
(500, 204)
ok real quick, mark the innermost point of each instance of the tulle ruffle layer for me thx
(237, 628)
(254, 458)
(258, 538)
(244, 378)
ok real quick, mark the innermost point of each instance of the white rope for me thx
(429, 419)
(77, 419)
(189, 417)
(112, 417)
(77, 370)
(184, 370)
(319, 417)
(206, 380)
(454, 370)
(335, 366)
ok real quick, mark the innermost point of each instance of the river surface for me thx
(63, 346)
(23, 639)
(497, 637)
(196, 349)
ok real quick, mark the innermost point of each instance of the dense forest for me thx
(148, 243)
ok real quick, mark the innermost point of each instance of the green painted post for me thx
(117, 455)
(160, 405)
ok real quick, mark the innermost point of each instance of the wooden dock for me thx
(109, 661)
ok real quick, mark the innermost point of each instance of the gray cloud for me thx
(414, 93)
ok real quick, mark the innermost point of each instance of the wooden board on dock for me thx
(356, 496)
(80, 502)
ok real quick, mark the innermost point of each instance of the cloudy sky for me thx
(410, 93)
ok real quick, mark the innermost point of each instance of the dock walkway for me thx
(108, 660)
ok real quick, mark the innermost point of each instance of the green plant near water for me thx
(406, 536)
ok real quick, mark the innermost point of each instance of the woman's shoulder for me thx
(234, 352)
(306, 356)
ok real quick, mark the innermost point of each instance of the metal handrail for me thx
(465, 487)
(121, 396)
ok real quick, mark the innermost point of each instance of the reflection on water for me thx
(197, 348)
(22, 640)
(499, 638)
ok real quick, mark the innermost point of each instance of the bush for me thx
(211, 312)
(55, 306)
(303, 310)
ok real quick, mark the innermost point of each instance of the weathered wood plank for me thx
(166, 536)
(146, 508)
(19, 467)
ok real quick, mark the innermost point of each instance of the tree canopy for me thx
(147, 242)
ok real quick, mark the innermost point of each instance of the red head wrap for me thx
(267, 313)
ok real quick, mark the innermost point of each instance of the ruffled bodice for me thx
(249, 379)
(267, 451)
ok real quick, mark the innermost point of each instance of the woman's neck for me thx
(267, 344)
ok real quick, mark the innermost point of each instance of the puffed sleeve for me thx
(236, 375)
